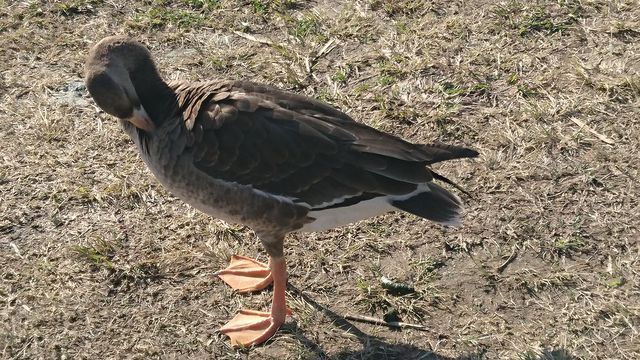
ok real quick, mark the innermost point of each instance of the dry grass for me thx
(98, 261)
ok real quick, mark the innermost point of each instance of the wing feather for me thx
(293, 146)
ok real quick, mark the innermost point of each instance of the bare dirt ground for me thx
(98, 261)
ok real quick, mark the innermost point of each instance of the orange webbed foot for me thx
(251, 327)
(246, 275)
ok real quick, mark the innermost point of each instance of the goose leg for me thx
(245, 274)
(251, 327)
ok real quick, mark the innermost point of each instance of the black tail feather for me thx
(437, 204)
(441, 152)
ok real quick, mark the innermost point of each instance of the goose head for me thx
(115, 69)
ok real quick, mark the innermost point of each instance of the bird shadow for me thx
(372, 346)
(376, 348)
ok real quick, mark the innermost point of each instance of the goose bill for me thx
(141, 119)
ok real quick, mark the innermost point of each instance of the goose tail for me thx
(432, 202)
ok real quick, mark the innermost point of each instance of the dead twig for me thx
(603, 138)
(258, 39)
(376, 321)
(511, 257)
(309, 61)
(327, 48)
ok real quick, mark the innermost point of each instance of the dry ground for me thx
(98, 261)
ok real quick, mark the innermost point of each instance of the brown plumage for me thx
(275, 161)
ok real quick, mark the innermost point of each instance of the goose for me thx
(275, 161)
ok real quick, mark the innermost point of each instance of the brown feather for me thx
(294, 146)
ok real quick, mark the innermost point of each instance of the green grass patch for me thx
(74, 7)
(528, 20)
(339, 76)
(451, 89)
(426, 269)
(100, 255)
(202, 4)
(616, 283)
(541, 21)
(159, 17)
(273, 6)
(304, 27)
(258, 6)
(568, 245)
(398, 8)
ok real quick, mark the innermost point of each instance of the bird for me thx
(275, 161)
